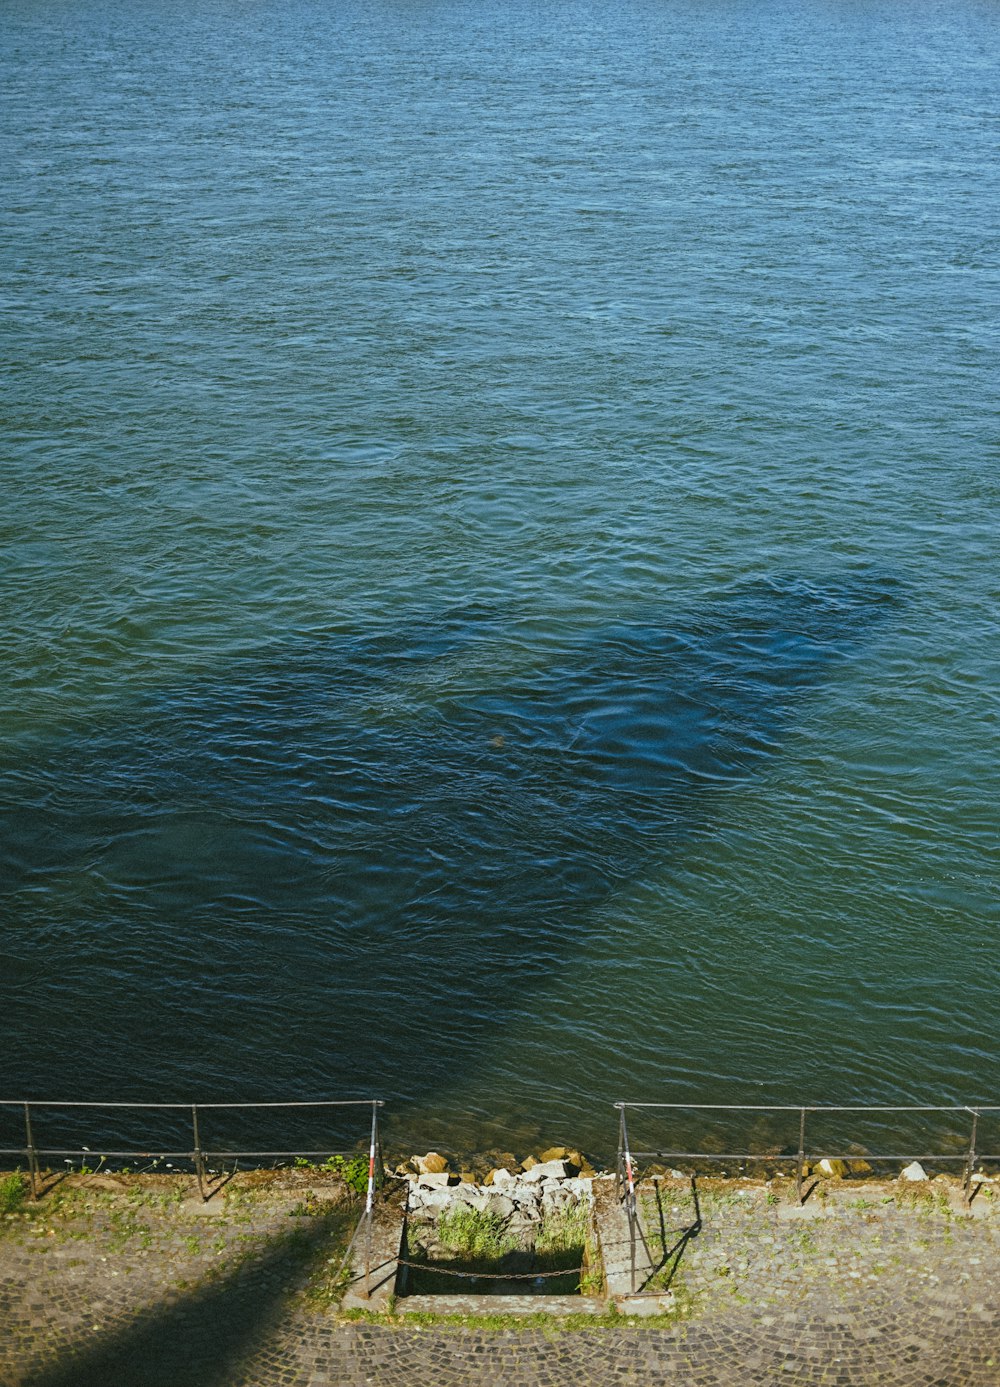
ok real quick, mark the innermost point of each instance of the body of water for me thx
(499, 529)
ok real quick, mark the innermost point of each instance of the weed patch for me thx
(476, 1234)
(13, 1193)
(353, 1170)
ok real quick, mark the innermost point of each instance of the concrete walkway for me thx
(126, 1284)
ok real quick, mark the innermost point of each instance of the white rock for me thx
(471, 1195)
(499, 1204)
(430, 1199)
(913, 1171)
(555, 1198)
(548, 1170)
(436, 1181)
(581, 1186)
(503, 1180)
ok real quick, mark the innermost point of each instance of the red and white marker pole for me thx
(371, 1164)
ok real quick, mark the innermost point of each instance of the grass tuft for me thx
(13, 1192)
(565, 1231)
(477, 1234)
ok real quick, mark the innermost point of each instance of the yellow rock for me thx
(554, 1153)
(528, 1162)
(431, 1164)
(832, 1165)
(859, 1167)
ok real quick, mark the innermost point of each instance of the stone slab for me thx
(203, 1208)
(645, 1305)
(380, 1256)
(616, 1244)
(810, 1209)
(500, 1305)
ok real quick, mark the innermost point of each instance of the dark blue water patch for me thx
(346, 853)
(344, 862)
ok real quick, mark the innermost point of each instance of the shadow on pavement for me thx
(208, 1336)
(665, 1269)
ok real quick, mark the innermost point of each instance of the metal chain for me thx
(489, 1275)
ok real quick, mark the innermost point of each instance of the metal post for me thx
(34, 1174)
(631, 1247)
(625, 1160)
(370, 1198)
(970, 1160)
(199, 1164)
(619, 1160)
(800, 1163)
(379, 1154)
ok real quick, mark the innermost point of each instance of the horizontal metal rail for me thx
(309, 1103)
(810, 1107)
(778, 1158)
(106, 1153)
(197, 1154)
(627, 1155)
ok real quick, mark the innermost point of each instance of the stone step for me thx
(378, 1254)
(500, 1305)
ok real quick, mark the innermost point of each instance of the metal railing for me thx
(200, 1157)
(803, 1155)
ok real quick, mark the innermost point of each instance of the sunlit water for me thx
(500, 586)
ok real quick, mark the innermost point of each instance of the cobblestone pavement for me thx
(128, 1284)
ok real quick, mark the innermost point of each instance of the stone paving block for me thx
(560, 1305)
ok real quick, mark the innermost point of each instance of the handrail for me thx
(307, 1103)
(813, 1107)
(973, 1110)
(197, 1154)
(627, 1154)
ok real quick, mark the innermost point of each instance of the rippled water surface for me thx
(500, 556)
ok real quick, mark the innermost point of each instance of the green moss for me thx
(550, 1325)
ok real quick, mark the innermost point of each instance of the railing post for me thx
(625, 1171)
(379, 1154)
(34, 1173)
(370, 1198)
(800, 1162)
(631, 1247)
(199, 1164)
(970, 1159)
(620, 1159)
